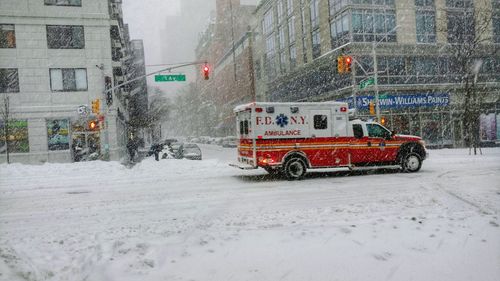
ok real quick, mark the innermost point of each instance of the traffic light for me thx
(372, 108)
(340, 64)
(347, 64)
(93, 125)
(96, 106)
(383, 121)
(206, 72)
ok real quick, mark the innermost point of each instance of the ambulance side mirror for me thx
(393, 133)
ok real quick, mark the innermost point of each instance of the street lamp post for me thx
(375, 76)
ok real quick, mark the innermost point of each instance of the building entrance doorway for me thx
(85, 143)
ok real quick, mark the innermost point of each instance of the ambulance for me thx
(291, 138)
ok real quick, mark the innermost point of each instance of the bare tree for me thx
(4, 120)
(469, 32)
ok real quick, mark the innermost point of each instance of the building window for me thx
(270, 56)
(9, 80)
(461, 27)
(337, 5)
(289, 6)
(63, 3)
(459, 3)
(339, 29)
(293, 56)
(291, 30)
(281, 37)
(426, 26)
(17, 138)
(270, 46)
(116, 54)
(281, 10)
(424, 3)
(374, 2)
(374, 25)
(314, 8)
(316, 44)
(65, 37)
(58, 134)
(7, 36)
(282, 62)
(268, 23)
(68, 79)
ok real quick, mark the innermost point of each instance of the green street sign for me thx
(170, 78)
(365, 83)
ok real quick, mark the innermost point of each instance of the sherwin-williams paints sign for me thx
(387, 101)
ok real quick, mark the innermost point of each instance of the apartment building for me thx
(414, 44)
(227, 46)
(57, 57)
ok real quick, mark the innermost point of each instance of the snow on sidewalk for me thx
(203, 220)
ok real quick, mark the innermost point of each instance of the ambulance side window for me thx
(377, 131)
(357, 129)
(245, 127)
(241, 128)
(320, 122)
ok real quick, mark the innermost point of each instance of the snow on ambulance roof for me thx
(247, 106)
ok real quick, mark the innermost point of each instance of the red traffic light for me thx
(93, 125)
(347, 64)
(206, 72)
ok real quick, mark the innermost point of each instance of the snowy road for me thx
(203, 220)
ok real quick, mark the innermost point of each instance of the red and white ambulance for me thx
(290, 138)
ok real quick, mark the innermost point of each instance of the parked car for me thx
(218, 141)
(230, 142)
(191, 151)
(176, 149)
(168, 142)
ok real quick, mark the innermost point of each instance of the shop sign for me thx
(391, 101)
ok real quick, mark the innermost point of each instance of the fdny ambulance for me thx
(289, 138)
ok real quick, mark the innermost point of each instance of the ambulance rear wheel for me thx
(295, 169)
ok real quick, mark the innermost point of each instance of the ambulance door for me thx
(317, 150)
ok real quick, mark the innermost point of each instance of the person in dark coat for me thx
(132, 148)
(157, 148)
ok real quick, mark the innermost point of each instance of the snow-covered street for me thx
(203, 220)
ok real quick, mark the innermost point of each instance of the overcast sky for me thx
(169, 29)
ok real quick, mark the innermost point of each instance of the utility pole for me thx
(375, 75)
(5, 119)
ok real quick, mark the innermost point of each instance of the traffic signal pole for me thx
(153, 73)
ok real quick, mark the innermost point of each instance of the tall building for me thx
(138, 101)
(227, 46)
(57, 58)
(419, 47)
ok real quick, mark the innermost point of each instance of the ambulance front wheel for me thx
(412, 163)
(295, 169)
